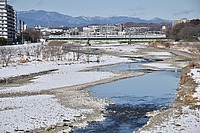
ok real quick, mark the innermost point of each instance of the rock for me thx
(53, 127)
(66, 130)
(50, 127)
(177, 125)
(19, 131)
(47, 128)
(127, 112)
(71, 126)
(66, 120)
(65, 124)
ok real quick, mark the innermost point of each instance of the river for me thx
(133, 98)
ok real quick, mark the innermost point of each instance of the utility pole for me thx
(129, 37)
(23, 32)
(20, 31)
(88, 40)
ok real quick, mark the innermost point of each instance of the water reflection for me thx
(159, 84)
(133, 66)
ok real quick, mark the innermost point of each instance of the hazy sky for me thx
(147, 9)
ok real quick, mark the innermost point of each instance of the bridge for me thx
(148, 37)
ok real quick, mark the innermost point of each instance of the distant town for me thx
(19, 32)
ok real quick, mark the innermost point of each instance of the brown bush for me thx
(189, 99)
(56, 43)
(23, 61)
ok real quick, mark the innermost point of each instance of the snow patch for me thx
(27, 113)
(160, 53)
(159, 65)
(195, 73)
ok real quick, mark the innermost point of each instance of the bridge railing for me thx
(107, 36)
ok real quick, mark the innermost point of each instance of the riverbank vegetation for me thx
(4, 41)
(189, 31)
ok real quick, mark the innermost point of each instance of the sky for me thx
(146, 9)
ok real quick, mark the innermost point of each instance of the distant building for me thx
(136, 30)
(7, 21)
(73, 31)
(164, 29)
(45, 32)
(175, 22)
(103, 29)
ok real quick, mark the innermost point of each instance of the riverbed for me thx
(133, 98)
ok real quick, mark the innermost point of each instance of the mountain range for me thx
(54, 19)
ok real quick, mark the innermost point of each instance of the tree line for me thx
(189, 31)
(30, 35)
(56, 51)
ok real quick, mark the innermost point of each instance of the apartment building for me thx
(175, 22)
(7, 21)
(103, 29)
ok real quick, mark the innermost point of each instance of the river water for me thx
(133, 98)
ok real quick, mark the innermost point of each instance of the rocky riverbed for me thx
(70, 104)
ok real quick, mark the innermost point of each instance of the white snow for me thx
(159, 65)
(32, 112)
(25, 69)
(67, 75)
(195, 73)
(27, 113)
(187, 122)
(121, 47)
(160, 53)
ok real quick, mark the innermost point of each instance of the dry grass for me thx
(56, 43)
(23, 61)
(188, 87)
(187, 100)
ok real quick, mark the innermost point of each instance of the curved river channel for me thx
(133, 98)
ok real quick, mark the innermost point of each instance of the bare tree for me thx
(38, 51)
(98, 58)
(6, 55)
(27, 50)
(87, 58)
(19, 51)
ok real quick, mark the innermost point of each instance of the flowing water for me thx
(133, 98)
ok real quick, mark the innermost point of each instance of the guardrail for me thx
(148, 36)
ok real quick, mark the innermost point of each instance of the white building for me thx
(175, 22)
(136, 30)
(102, 29)
(7, 21)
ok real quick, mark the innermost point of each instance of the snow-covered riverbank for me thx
(184, 117)
(46, 104)
(26, 113)
(30, 112)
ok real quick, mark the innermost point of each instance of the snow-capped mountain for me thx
(54, 19)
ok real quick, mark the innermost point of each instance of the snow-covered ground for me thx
(186, 122)
(159, 65)
(160, 53)
(125, 48)
(30, 112)
(27, 113)
(66, 75)
(195, 73)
